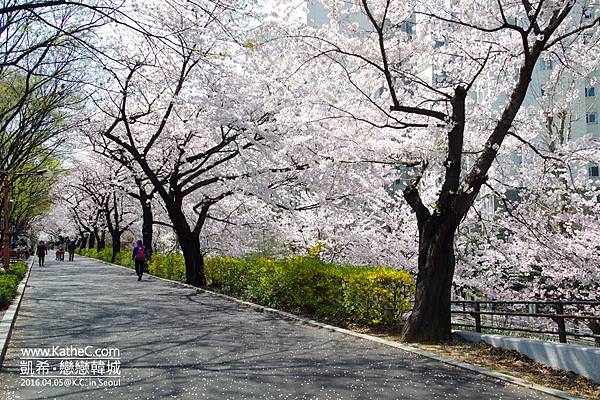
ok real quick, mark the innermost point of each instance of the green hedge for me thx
(9, 282)
(168, 266)
(19, 269)
(123, 258)
(344, 295)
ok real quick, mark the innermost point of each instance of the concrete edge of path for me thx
(10, 316)
(446, 360)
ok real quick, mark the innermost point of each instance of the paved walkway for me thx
(176, 344)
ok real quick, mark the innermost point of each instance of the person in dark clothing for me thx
(41, 252)
(139, 257)
(71, 247)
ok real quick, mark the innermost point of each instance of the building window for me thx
(591, 118)
(440, 79)
(546, 64)
(590, 91)
(593, 171)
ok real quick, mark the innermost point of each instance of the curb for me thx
(10, 316)
(446, 360)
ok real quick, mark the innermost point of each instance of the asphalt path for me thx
(174, 343)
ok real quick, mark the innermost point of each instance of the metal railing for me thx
(552, 313)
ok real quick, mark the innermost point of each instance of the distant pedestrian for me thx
(71, 247)
(139, 256)
(41, 252)
(61, 248)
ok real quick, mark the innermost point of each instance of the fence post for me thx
(477, 316)
(560, 321)
(532, 308)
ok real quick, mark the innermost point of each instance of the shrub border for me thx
(10, 315)
(306, 321)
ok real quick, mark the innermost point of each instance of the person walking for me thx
(61, 248)
(41, 252)
(71, 247)
(139, 258)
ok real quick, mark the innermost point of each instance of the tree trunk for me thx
(100, 241)
(430, 319)
(83, 242)
(116, 245)
(97, 239)
(92, 241)
(147, 226)
(189, 240)
(194, 260)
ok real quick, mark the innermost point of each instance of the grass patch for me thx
(9, 282)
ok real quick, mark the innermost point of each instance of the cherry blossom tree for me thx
(350, 216)
(103, 186)
(179, 118)
(94, 196)
(449, 81)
